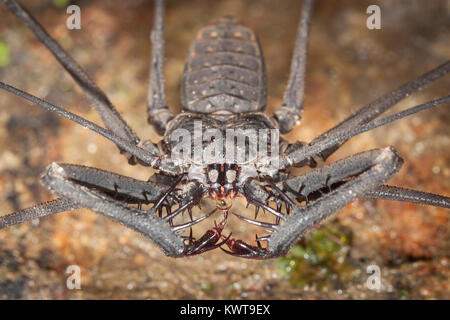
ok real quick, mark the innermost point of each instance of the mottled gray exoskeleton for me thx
(223, 87)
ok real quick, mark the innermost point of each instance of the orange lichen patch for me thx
(140, 260)
(59, 240)
(72, 239)
(421, 170)
(352, 214)
(124, 239)
(410, 234)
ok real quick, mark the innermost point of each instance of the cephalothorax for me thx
(223, 91)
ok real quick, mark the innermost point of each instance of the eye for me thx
(213, 174)
(231, 176)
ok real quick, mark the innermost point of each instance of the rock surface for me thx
(348, 66)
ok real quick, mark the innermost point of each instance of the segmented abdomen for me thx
(224, 70)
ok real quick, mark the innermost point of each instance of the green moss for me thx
(323, 260)
(4, 54)
(61, 3)
(206, 287)
(403, 294)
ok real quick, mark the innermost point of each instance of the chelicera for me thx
(224, 87)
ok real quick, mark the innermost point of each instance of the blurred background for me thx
(348, 66)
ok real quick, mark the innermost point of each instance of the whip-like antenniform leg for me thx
(144, 155)
(289, 114)
(309, 198)
(109, 115)
(377, 107)
(37, 211)
(408, 195)
(158, 111)
(360, 122)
